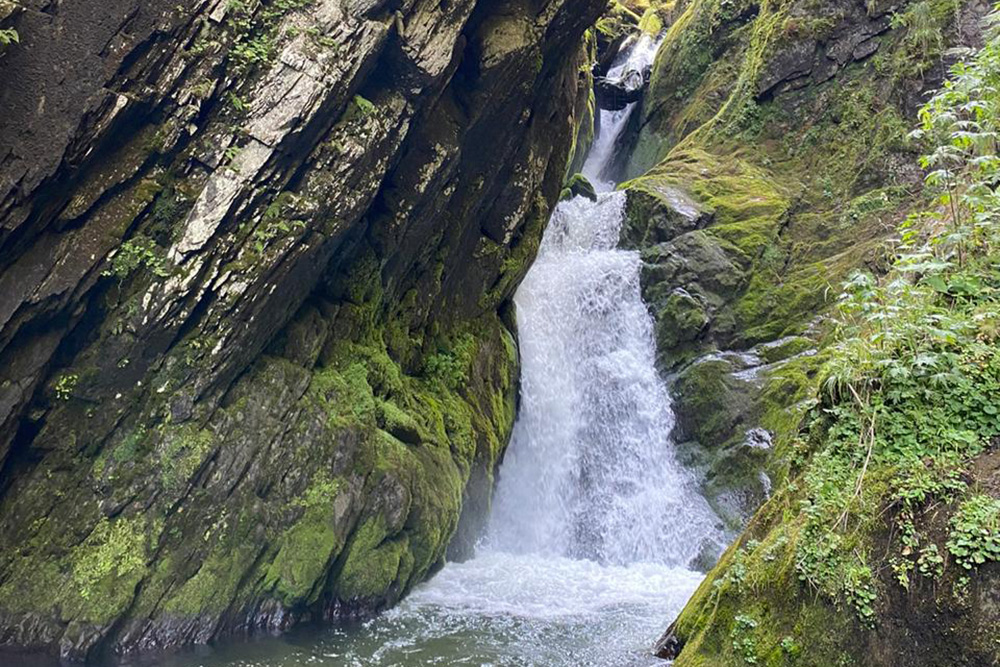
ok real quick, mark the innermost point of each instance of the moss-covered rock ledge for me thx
(256, 258)
(880, 545)
(771, 160)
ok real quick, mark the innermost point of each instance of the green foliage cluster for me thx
(975, 532)
(9, 36)
(922, 44)
(275, 223)
(744, 643)
(910, 391)
(451, 367)
(137, 253)
(255, 29)
(65, 385)
(617, 20)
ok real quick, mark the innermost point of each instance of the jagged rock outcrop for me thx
(618, 94)
(254, 265)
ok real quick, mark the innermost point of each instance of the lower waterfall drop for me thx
(591, 472)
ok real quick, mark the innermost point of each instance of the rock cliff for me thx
(256, 360)
(769, 162)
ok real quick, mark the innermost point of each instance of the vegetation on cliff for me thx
(880, 547)
(771, 161)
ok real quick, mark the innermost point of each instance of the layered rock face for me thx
(255, 261)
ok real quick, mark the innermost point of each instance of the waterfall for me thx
(591, 472)
(630, 67)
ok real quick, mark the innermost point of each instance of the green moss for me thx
(91, 582)
(216, 582)
(307, 548)
(423, 427)
(518, 256)
(681, 320)
(373, 562)
(886, 470)
(107, 567)
(618, 20)
(651, 23)
(751, 604)
(182, 453)
(578, 185)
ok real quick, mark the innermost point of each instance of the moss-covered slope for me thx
(878, 545)
(770, 161)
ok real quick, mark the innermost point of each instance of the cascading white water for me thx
(591, 472)
(594, 522)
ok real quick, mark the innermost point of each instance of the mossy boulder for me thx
(579, 186)
(681, 320)
(736, 413)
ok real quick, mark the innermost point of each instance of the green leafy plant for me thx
(139, 253)
(744, 643)
(9, 36)
(65, 386)
(909, 391)
(255, 30)
(364, 106)
(975, 532)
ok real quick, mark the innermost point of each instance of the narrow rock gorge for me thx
(273, 334)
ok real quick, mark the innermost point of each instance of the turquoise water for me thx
(497, 609)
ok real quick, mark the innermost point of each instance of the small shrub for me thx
(9, 36)
(135, 254)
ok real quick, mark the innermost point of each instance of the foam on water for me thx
(500, 610)
(548, 588)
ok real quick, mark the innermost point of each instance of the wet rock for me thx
(681, 320)
(579, 186)
(250, 302)
(659, 212)
(792, 62)
(668, 646)
(749, 111)
(616, 94)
